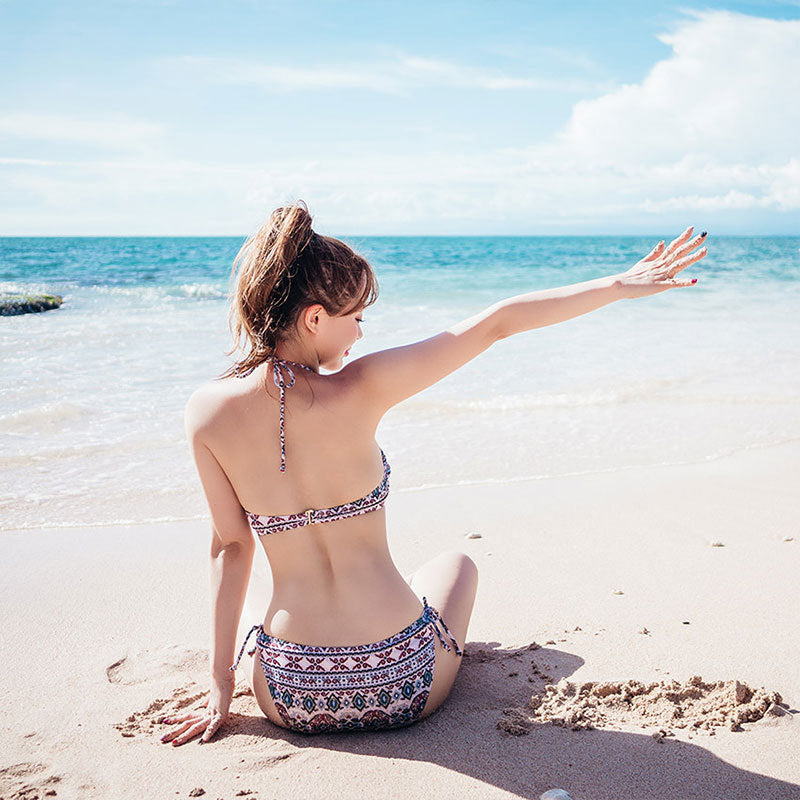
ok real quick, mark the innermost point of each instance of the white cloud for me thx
(714, 127)
(710, 135)
(111, 133)
(730, 91)
(396, 75)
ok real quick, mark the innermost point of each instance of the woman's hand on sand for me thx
(657, 270)
(206, 720)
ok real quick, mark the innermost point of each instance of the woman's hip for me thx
(384, 684)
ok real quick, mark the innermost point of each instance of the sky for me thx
(399, 118)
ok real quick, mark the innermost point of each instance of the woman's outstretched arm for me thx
(549, 306)
(654, 273)
(387, 377)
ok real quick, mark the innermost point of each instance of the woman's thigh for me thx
(449, 582)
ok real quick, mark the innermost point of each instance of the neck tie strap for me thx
(277, 377)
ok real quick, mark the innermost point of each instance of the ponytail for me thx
(285, 267)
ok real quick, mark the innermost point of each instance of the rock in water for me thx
(13, 304)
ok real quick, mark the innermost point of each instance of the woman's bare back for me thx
(333, 583)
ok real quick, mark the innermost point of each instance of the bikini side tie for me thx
(433, 616)
(244, 644)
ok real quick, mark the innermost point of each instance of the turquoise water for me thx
(92, 395)
(409, 267)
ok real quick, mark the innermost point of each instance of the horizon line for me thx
(370, 235)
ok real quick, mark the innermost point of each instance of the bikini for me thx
(318, 688)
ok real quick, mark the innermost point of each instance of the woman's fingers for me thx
(655, 252)
(687, 248)
(192, 725)
(685, 262)
(192, 732)
(168, 737)
(682, 264)
(676, 243)
(176, 720)
(213, 727)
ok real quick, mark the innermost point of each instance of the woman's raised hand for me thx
(205, 721)
(657, 270)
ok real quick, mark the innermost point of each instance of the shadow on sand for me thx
(462, 735)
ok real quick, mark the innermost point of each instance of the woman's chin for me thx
(333, 364)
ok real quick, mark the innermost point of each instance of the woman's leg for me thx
(449, 582)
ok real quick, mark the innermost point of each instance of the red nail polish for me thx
(694, 280)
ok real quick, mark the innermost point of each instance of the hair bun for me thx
(291, 230)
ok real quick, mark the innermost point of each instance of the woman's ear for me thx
(310, 317)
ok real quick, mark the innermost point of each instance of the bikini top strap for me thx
(279, 364)
(277, 377)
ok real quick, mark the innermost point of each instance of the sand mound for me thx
(664, 705)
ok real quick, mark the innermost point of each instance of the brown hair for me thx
(285, 267)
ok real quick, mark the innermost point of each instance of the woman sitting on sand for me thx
(346, 642)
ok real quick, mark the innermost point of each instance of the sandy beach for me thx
(646, 575)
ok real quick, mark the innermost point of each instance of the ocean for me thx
(92, 394)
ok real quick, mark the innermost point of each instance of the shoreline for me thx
(124, 611)
(413, 490)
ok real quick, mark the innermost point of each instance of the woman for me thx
(346, 642)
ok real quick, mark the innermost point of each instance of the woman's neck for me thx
(297, 354)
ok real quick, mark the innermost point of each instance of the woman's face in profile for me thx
(337, 335)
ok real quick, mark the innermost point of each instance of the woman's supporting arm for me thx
(232, 543)
(229, 573)
(232, 549)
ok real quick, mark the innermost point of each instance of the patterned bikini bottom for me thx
(368, 686)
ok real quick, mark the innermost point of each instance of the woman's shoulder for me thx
(210, 404)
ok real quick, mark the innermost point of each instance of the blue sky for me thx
(196, 118)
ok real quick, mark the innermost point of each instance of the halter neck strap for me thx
(279, 364)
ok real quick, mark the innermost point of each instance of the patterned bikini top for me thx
(262, 523)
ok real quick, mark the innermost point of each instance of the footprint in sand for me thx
(142, 666)
(26, 781)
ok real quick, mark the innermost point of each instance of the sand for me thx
(616, 582)
(662, 705)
